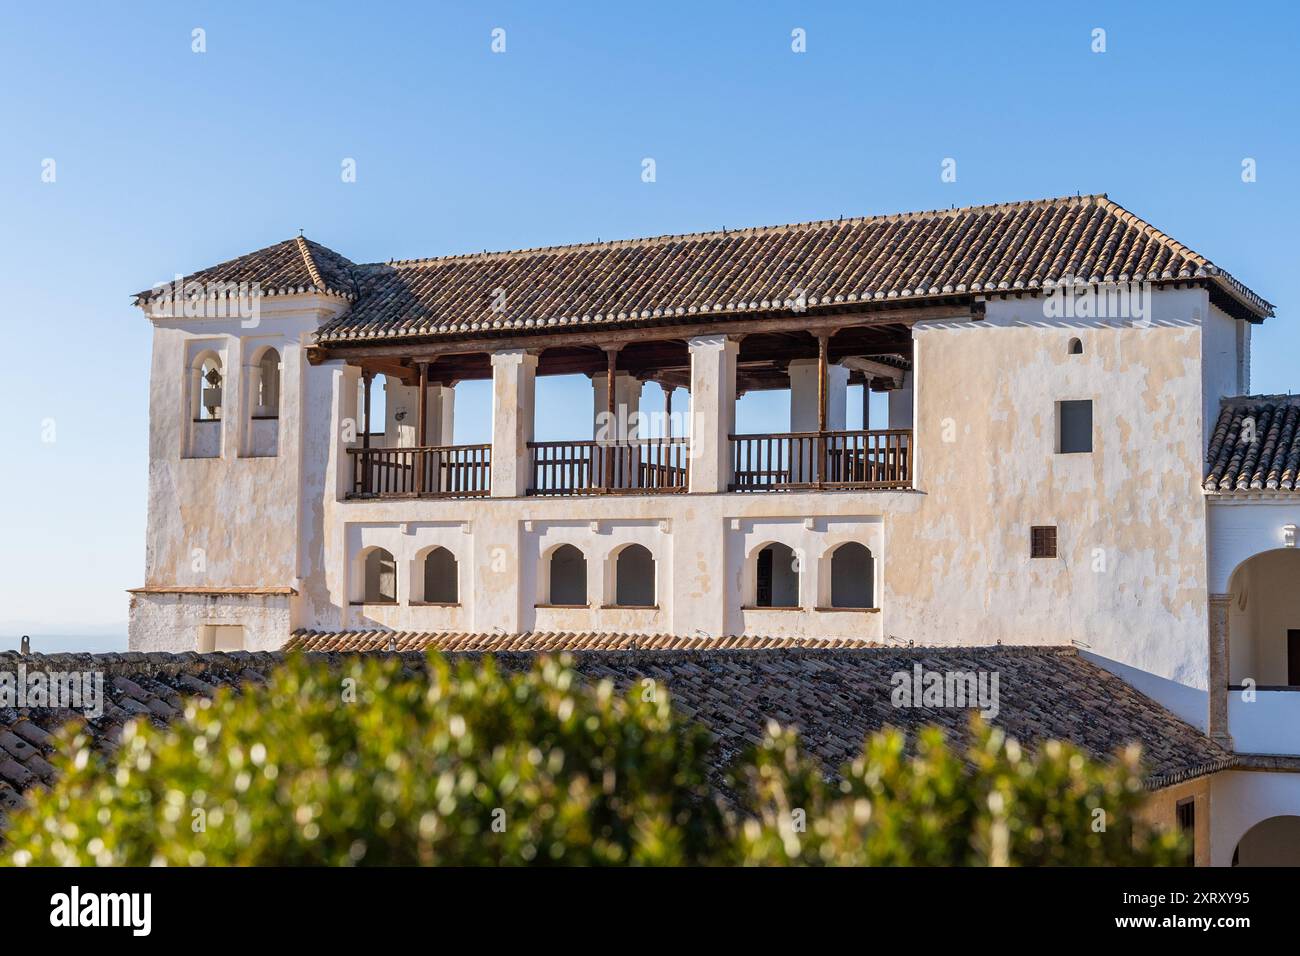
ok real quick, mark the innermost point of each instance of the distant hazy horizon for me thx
(89, 642)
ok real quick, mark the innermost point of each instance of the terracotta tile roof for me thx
(293, 266)
(1255, 445)
(910, 258)
(284, 590)
(306, 640)
(835, 696)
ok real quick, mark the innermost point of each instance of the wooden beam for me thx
(740, 325)
(874, 369)
(395, 369)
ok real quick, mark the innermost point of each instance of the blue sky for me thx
(168, 160)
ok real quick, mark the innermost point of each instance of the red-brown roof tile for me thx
(832, 264)
(1255, 446)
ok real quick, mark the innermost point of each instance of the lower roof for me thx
(835, 696)
(1255, 446)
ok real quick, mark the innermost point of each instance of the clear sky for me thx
(167, 160)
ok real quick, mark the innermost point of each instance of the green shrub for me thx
(471, 765)
(993, 805)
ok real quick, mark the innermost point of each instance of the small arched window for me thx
(206, 381)
(441, 577)
(776, 577)
(634, 577)
(1076, 347)
(266, 388)
(853, 575)
(381, 577)
(204, 393)
(568, 577)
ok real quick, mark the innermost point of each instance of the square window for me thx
(1042, 541)
(1074, 427)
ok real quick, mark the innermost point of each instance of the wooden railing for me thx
(435, 471)
(646, 466)
(840, 459)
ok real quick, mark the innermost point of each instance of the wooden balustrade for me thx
(434, 471)
(833, 459)
(764, 462)
(647, 466)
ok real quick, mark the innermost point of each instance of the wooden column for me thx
(367, 377)
(421, 419)
(822, 343)
(866, 405)
(668, 410)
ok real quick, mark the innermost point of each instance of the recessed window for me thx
(206, 380)
(1074, 427)
(381, 577)
(1042, 541)
(1076, 347)
(634, 577)
(221, 637)
(568, 577)
(852, 576)
(440, 577)
(266, 385)
(776, 577)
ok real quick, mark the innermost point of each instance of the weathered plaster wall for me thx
(231, 520)
(174, 622)
(1129, 582)
(1225, 373)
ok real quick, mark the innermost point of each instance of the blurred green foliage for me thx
(367, 763)
(992, 805)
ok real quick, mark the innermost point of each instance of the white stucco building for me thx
(1071, 457)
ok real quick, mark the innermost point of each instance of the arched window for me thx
(1076, 347)
(266, 388)
(776, 577)
(381, 577)
(568, 576)
(262, 430)
(206, 381)
(441, 573)
(853, 575)
(205, 397)
(634, 577)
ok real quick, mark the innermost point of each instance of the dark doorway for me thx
(764, 594)
(1293, 657)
